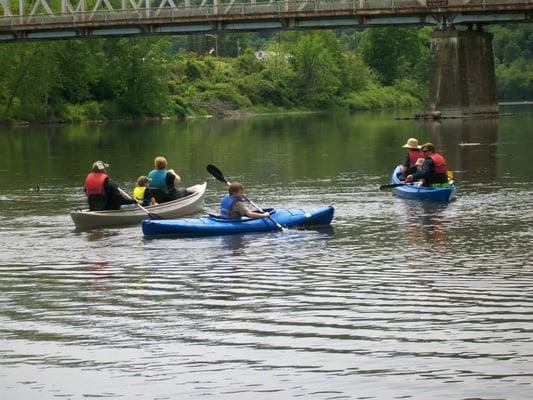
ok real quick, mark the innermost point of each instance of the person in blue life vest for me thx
(142, 194)
(434, 169)
(102, 193)
(232, 205)
(164, 182)
(413, 154)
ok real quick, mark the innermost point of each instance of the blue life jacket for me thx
(158, 179)
(226, 205)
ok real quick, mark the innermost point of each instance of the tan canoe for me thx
(85, 219)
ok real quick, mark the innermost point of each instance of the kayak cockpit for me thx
(220, 218)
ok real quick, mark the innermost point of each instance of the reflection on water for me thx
(425, 222)
(470, 146)
(398, 299)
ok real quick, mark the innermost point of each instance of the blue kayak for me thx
(216, 225)
(414, 191)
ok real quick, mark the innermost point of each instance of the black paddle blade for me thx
(217, 174)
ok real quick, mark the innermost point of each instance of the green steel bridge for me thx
(71, 19)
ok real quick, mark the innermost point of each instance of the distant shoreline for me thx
(227, 114)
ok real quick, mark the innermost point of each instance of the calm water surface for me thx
(399, 299)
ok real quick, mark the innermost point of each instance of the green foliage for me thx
(380, 97)
(247, 63)
(79, 69)
(355, 74)
(77, 81)
(515, 81)
(136, 76)
(316, 68)
(89, 111)
(513, 55)
(395, 53)
(28, 78)
(278, 70)
(224, 93)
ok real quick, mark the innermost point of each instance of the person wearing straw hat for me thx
(102, 193)
(413, 154)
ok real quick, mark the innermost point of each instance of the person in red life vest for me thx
(434, 169)
(102, 193)
(232, 205)
(413, 154)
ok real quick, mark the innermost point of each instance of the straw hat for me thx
(412, 143)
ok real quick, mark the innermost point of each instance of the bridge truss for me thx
(64, 19)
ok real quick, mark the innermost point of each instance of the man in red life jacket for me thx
(102, 193)
(434, 169)
(413, 154)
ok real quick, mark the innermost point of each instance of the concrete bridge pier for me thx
(462, 81)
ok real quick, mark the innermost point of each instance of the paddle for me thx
(153, 216)
(219, 176)
(392, 185)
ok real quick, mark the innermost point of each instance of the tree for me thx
(28, 72)
(393, 53)
(316, 69)
(136, 76)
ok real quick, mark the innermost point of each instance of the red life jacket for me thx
(440, 164)
(414, 155)
(94, 183)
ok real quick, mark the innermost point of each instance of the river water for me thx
(399, 299)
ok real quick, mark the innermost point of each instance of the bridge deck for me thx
(53, 19)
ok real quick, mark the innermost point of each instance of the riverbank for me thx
(221, 113)
(144, 79)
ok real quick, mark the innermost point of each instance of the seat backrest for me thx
(159, 195)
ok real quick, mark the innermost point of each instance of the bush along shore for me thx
(179, 77)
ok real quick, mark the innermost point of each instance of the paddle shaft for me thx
(153, 216)
(392, 185)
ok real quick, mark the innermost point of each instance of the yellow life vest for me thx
(138, 193)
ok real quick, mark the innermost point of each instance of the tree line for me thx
(71, 81)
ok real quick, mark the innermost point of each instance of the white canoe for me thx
(85, 219)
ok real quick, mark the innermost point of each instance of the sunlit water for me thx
(398, 299)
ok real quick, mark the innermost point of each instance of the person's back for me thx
(232, 205)
(95, 181)
(163, 182)
(101, 192)
(439, 170)
(413, 154)
(142, 193)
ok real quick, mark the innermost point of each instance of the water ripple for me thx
(433, 298)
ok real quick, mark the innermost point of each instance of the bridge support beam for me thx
(462, 81)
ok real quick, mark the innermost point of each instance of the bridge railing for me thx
(54, 12)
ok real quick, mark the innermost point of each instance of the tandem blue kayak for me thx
(216, 225)
(417, 192)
